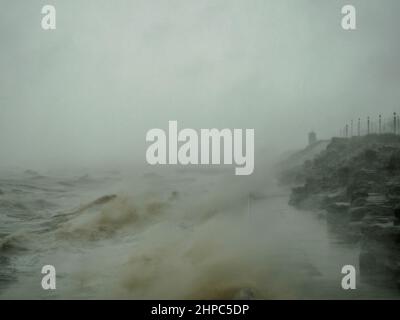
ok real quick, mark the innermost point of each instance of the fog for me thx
(85, 95)
(87, 92)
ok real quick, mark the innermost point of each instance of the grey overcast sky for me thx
(90, 90)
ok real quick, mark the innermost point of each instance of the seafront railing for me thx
(370, 125)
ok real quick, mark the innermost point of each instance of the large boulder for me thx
(338, 207)
(358, 213)
(379, 214)
(383, 233)
(380, 255)
(359, 202)
(396, 211)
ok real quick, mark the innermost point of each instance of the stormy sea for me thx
(167, 234)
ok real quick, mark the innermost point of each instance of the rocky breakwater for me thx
(355, 184)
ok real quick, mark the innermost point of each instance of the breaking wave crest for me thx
(192, 244)
(187, 236)
(109, 214)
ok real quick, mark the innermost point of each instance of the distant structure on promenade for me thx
(312, 138)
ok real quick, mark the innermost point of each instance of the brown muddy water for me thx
(168, 235)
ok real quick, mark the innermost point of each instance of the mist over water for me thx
(76, 104)
(169, 234)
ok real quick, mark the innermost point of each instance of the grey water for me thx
(168, 235)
